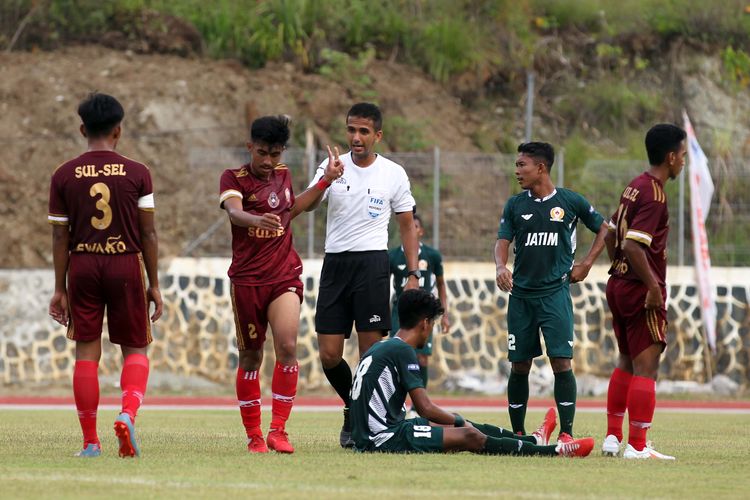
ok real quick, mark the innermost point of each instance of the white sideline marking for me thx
(337, 409)
(290, 487)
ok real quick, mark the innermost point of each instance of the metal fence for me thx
(460, 197)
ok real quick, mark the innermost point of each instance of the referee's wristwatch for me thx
(416, 272)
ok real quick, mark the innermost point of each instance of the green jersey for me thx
(430, 265)
(544, 230)
(384, 376)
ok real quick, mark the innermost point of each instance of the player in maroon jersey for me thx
(636, 292)
(101, 205)
(265, 273)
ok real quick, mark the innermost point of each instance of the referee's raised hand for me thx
(335, 167)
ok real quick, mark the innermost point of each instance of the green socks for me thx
(565, 397)
(513, 446)
(518, 398)
(499, 432)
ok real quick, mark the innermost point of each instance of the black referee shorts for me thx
(354, 287)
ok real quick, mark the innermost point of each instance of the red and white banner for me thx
(701, 192)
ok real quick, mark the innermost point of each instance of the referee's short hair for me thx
(100, 114)
(369, 111)
(417, 304)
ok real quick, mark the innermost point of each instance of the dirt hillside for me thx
(173, 105)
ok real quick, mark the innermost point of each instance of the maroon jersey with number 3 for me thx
(260, 256)
(642, 216)
(98, 194)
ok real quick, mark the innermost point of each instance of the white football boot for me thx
(611, 446)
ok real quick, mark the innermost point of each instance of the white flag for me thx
(701, 192)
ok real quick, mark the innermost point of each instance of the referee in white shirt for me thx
(355, 280)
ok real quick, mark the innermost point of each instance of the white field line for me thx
(278, 488)
(336, 409)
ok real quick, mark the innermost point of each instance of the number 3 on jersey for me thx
(101, 204)
(364, 365)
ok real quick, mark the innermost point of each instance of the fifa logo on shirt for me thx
(556, 214)
(542, 239)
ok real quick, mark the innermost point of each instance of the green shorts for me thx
(553, 315)
(427, 349)
(413, 435)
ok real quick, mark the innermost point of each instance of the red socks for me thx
(133, 382)
(86, 394)
(641, 404)
(248, 397)
(284, 388)
(617, 401)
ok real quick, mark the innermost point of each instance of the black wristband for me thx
(459, 422)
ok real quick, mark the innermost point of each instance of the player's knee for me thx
(521, 367)
(250, 360)
(560, 364)
(330, 359)
(286, 352)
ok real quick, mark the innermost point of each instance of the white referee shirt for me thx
(361, 202)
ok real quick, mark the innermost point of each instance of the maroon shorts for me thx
(636, 327)
(250, 304)
(116, 282)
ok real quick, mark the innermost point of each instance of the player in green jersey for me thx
(389, 370)
(542, 221)
(430, 279)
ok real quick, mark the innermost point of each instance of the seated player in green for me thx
(430, 276)
(389, 370)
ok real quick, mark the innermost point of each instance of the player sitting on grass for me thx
(389, 370)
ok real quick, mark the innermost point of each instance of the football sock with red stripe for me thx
(515, 446)
(284, 388)
(248, 398)
(133, 382)
(86, 394)
(499, 432)
(565, 398)
(617, 401)
(641, 405)
(518, 398)
(340, 377)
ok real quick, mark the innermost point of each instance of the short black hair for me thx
(662, 139)
(417, 304)
(367, 110)
(539, 150)
(100, 114)
(418, 218)
(271, 130)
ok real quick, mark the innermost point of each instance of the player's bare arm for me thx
(150, 244)
(445, 322)
(580, 271)
(58, 306)
(410, 241)
(636, 256)
(239, 217)
(310, 198)
(503, 275)
(427, 409)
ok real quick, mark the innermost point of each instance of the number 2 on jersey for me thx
(101, 204)
(364, 365)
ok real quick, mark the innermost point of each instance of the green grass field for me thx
(189, 453)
